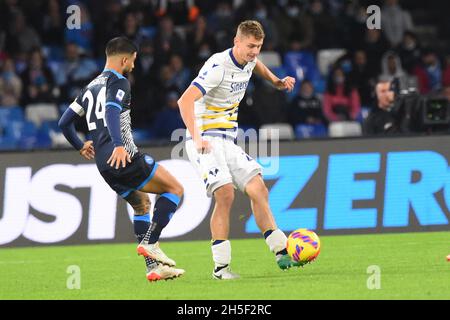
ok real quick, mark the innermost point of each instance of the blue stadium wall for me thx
(339, 186)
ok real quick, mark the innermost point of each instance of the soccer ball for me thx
(303, 245)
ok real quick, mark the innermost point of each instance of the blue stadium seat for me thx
(148, 32)
(142, 135)
(303, 131)
(8, 114)
(24, 132)
(302, 65)
(7, 143)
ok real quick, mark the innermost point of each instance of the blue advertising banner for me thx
(339, 186)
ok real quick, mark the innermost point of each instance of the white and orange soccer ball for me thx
(303, 245)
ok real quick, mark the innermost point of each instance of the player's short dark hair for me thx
(120, 45)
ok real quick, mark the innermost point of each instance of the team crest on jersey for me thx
(149, 160)
(120, 94)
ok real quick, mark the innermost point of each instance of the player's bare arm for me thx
(287, 83)
(186, 104)
(88, 151)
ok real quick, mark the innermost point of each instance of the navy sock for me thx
(165, 207)
(217, 242)
(141, 224)
(267, 233)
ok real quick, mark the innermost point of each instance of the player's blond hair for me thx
(251, 28)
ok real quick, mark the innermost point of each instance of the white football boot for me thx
(154, 251)
(225, 274)
(163, 272)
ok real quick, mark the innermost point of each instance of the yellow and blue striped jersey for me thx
(223, 82)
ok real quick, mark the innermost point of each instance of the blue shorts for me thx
(133, 177)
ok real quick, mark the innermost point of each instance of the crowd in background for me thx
(43, 63)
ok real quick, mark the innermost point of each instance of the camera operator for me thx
(381, 120)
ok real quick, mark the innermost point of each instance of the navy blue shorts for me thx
(133, 177)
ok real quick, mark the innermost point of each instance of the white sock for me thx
(221, 254)
(276, 241)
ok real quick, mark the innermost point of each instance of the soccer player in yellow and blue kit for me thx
(209, 108)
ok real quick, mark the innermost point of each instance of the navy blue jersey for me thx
(109, 89)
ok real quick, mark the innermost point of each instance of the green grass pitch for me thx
(412, 265)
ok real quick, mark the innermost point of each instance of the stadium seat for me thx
(39, 112)
(344, 129)
(302, 65)
(8, 114)
(7, 143)
(269, 131)
(327, 57)
(303, 131)
(363, 114)
(148, 32)
(271, 59)
(142, 135)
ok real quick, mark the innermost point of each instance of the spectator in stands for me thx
(446, 72)
(446, 92)
(392, 69)
(361, 77)
(381, 119)
(10, 85)
(37, 80)
(221, 22)
(295, 22)
(146, 76)
(306, 108)
(270, 103)
(261, 13)
(341, 101)
(131, 27)
(324, 26)
(53, 25)
(181, 11)
(409, 51)
(375, 45)
(21, 37)
(181, 74)
(167, 41)
(201, 42)
(75, 72)
(169, 118)
(395, 21)
(84, 36)
(429, 72)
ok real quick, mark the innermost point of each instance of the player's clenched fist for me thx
(119, 157)
(88, 151)
(286, 83)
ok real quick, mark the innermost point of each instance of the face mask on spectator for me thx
(261, 14)
(204, 54)
(293, 11)
(339, 79)
(7, 75)
(224, 13)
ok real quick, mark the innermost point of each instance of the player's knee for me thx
(177, 189)
(224, 196)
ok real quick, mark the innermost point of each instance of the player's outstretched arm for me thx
(186, 104)
(287, 83)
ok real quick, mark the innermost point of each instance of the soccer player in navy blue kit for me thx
(105, 103)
